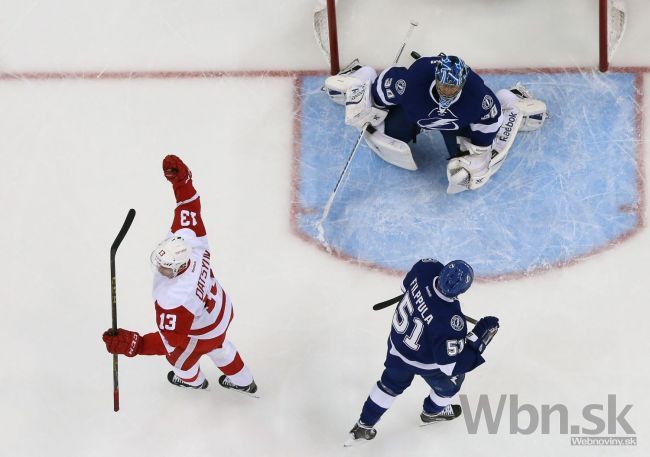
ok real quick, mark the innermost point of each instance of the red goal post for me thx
(326, 32)
(612, 17)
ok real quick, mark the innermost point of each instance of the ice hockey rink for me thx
(93, 95)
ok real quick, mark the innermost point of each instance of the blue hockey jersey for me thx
(476, 113)
(428, 329)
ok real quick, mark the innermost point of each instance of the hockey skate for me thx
(450, 412)
(521, 91)
(350, 68)
(172, 378)
(535, 111)
(360, 432)
(228, 384)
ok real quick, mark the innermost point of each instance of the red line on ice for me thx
(296, 75)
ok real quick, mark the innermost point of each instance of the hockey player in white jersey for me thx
(437, 93)
(193, 311)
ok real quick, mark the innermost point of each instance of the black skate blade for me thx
(351, 442)
(436, 421)
(190, 389)
(247, 394)
(241, 392)
(458, 411)
(186, 387)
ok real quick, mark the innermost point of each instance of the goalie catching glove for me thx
(521, 113)
(473, 170)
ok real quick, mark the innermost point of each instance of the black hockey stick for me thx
(392, 301)
(116, 244)
(387, 303)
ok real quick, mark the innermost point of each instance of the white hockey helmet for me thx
(171, 257)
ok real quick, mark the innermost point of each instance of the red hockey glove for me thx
(175, 170)
(124, 342)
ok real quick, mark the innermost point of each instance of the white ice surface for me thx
(76, 154)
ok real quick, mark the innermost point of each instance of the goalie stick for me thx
(408, 36)
(392, 301)
(116, 244)
(369, 128)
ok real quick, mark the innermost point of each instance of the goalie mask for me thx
(451, 74)
(455, 278)
(171, 257)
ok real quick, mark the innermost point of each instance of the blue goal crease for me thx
(564, 192)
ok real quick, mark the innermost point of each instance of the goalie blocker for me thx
(351, 88)
(469, 171)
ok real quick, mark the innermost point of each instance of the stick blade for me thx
(387, 303)
(125, 228)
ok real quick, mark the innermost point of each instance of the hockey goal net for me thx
(612, 18)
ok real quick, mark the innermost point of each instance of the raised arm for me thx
(187, 214)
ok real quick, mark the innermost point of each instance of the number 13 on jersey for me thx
(188, 218)
(167, 321)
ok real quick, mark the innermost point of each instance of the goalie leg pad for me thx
(390, 149)
(336, 86)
